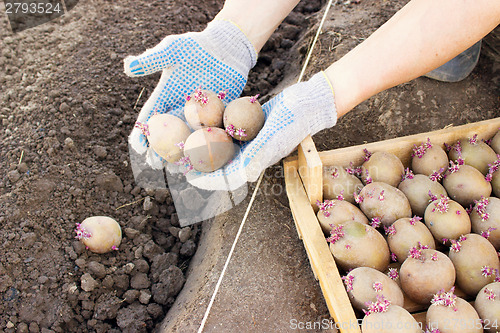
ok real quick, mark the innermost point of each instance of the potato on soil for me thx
(203, 109)
(209, 149)
(476, 262)
(354, 244)
(485, 219)
(337, 181)
(456, 317)
(428, 158)
(394, 320)
(465, 184)
(417, 188)
(383, 201)
(424, 273)
(337, 212)
(244, 118)
(166, 136)
(487, 305)
(446, 219)
(382, 167)
(100, 234)
(474, 152)
(407, 233)
(363, 284)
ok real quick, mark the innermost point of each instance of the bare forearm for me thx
(258, 19)
(420, 37)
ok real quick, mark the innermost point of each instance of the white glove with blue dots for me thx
(218, 59)
(300, 110)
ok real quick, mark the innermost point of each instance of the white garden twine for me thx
(219, 282)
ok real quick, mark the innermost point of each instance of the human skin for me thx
(258, 19)
(420, 37)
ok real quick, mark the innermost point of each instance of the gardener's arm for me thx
(420, 37)
(217, 58)
(258, 19)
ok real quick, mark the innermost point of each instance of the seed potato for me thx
(487, 305)
(383, 201)
(446, 219)
(460, 318)
(337, 181)
(209, 149)
(383, 167)
(417, 190)
(203, 109)
(475, 153)
(495, 142)
(495, 178)
(428, 158)
(485, 219)
(407, 233)
(363, 284)
(244, 118)
(100, 234)
(354, 244)
(334, 212)
(466, 185)
(166, 135)
(476, 263)
(424, 275)
(395, 320)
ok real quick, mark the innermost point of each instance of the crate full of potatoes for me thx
(403, 235)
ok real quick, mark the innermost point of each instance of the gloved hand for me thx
(218, 58)
(300, 110)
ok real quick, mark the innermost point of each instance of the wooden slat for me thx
(311, 171)
(292, 161)
(319, 254)
(402, 147)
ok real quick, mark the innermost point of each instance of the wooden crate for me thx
(303, 178)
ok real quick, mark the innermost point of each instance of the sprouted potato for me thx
(204, 108)
(243, 118)
(100, 234)
(209, 149)
(167, 134)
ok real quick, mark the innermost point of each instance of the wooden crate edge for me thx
(310, 168)
(321, 260)
(485, 129)
(343, 156)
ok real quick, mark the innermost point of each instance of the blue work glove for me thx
(218, 59)
(300, 110)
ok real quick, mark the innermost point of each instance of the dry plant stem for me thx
(420, 37)
(130, 203)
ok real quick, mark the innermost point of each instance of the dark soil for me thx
(66, 110)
